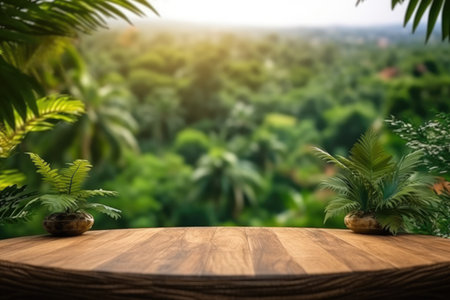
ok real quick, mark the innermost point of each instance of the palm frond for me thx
(369, 157)
(49, 110)
(408, 163)
(49, 175)
(340, 206)
(437, 8)
(328, 157)
(337, 184)
(391, 220)
(28, 28)
(109, 211)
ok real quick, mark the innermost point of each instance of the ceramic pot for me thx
(363, 223)
(68, 224)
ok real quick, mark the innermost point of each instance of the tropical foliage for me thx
(433, 137)
(191, 97)
(15, 204)
(49, 110)
(67, 185)
(437, 8)
(370, 182)
(34, 30)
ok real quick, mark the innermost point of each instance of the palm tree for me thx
(221, 176)
(160, 115)
(108, 119)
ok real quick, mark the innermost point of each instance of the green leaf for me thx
(109, 211)
(410, 10)
(446, 20)
(13, 204)
(420, 11)
(50, 109)
(95, 193)
(433, 16)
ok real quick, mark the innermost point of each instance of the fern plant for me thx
(370, 182)
(67, 183)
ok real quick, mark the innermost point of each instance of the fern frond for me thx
(74, 176)
(327, 157)
(58, 203)
(407, 164)
(337, 184)
(96, 193)
(392, 221)
(109, 211)
(49, 175)
(50, 109)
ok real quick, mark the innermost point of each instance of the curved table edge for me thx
(19, 281)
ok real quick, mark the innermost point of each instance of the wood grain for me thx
(225, 262)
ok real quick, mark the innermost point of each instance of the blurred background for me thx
(206, 115)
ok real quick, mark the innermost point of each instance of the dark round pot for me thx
(68, 224)
(363, 223)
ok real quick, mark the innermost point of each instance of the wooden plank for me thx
(96, 251)
(308, 254)
(29, 252)
(229, 253)
(356, 259)
(419, 248)
(140, 257)
(268, 254)
(383, 248)
(186, 256)
(430, 242)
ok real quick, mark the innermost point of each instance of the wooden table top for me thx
(195, 261)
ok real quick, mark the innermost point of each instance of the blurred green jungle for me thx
(206, 127)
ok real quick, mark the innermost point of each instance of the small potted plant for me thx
(69, 201)
(378, 194)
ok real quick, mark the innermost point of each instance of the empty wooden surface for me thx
(217, 262)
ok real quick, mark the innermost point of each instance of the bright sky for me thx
(279, 12)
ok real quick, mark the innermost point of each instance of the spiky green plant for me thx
(372, 183)
(67, 184)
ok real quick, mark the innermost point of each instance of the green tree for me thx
(191, 144)
(223, 178)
